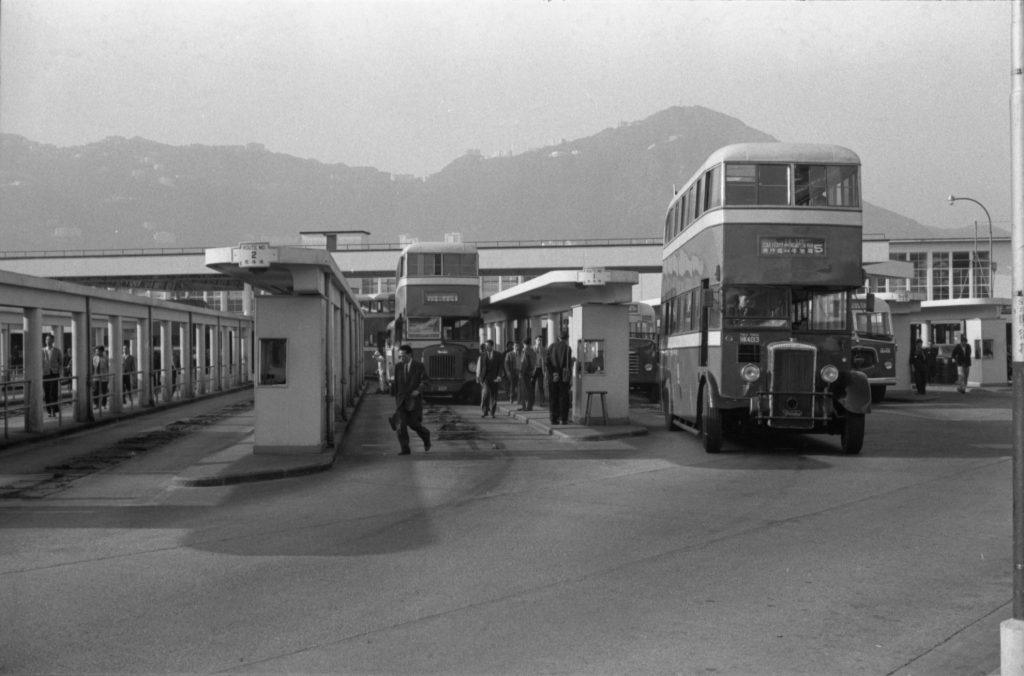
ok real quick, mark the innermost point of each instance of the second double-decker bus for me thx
(379, 309)
(762, 255)
(437, 312)
(874, 344)
(644, 373)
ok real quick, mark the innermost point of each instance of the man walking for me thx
(410, 377)
(559, 374)
(962, 356)
(488, 374)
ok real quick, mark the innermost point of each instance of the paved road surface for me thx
(507, 551)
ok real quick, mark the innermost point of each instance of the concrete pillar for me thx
(144, 359)
(5, 349)
(187, 361)
(926, 333)
(199, 330)
(32, 341)
(115, 329)
(247, 298)
(219, 359)
(166, 361)
(1011, 647)
(223, 297)
(80, 360)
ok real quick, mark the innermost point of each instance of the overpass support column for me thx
(116, 385)
(200, 333)
(144, 360)
(188, 390)
(80, 364)
(32, 346)
(166, 362)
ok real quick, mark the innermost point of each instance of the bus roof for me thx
(815, 153)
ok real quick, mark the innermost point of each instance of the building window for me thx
(961, 274)
(919, 283)
(940, 275)
(982, 276)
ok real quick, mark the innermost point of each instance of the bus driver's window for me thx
(740, 304)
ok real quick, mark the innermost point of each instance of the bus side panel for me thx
(808, 255)
(682, 373)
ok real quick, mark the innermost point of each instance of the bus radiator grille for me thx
(442, 367)
(634, 364)
(791, 404)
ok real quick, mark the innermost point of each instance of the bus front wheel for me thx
(710, 424)
(853, 433)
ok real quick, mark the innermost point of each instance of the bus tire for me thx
(710, 423)
(877, 393)
(853, 433)
(666, 409)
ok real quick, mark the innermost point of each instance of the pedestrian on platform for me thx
(410, 378)
(53, 364)
(538, 384)
(127, 373)
(489, 370)
(962, 356)
(526, 368)
(513, 358)
(559, 379)
(919, 366)
(100, 377)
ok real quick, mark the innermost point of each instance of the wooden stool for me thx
(604, 406)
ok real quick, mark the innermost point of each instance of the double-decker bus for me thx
(762, 256)
(874, 344)
(437, 312)
(379, 309)
(644, 372)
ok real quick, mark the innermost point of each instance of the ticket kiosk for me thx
(599, 335)
(307, 354)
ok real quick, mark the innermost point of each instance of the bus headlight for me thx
(750, 372)
(888, 366)
(829, 373)
(648, 367)
(471, 367)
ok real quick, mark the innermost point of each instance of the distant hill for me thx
(135, 193)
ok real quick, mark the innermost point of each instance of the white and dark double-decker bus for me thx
(437, 312)
(762, 257)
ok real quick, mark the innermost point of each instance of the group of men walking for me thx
(526, 370)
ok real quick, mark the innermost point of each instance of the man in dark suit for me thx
(488, 373)
(410, 377)
(559, 362)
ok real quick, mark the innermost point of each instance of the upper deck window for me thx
(813, 185)
(818, 185)
(756, 184)
(442, 265)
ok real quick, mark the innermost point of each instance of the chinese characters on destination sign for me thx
(792, 246)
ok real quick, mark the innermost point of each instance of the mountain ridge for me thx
(137, 193)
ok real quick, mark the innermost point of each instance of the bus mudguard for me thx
(855, 393)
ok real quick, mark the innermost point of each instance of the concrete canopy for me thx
(558, 291)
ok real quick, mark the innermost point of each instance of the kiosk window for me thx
(592, 356)
(273, 361)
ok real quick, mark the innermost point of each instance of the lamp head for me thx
(951, 199)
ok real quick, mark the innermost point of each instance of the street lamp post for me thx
(991, 260)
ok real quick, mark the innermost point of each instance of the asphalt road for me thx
(507, 552)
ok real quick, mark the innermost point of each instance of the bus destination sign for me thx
(797, 247)
(447, 298)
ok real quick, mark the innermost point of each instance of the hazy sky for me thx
(919, 90)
